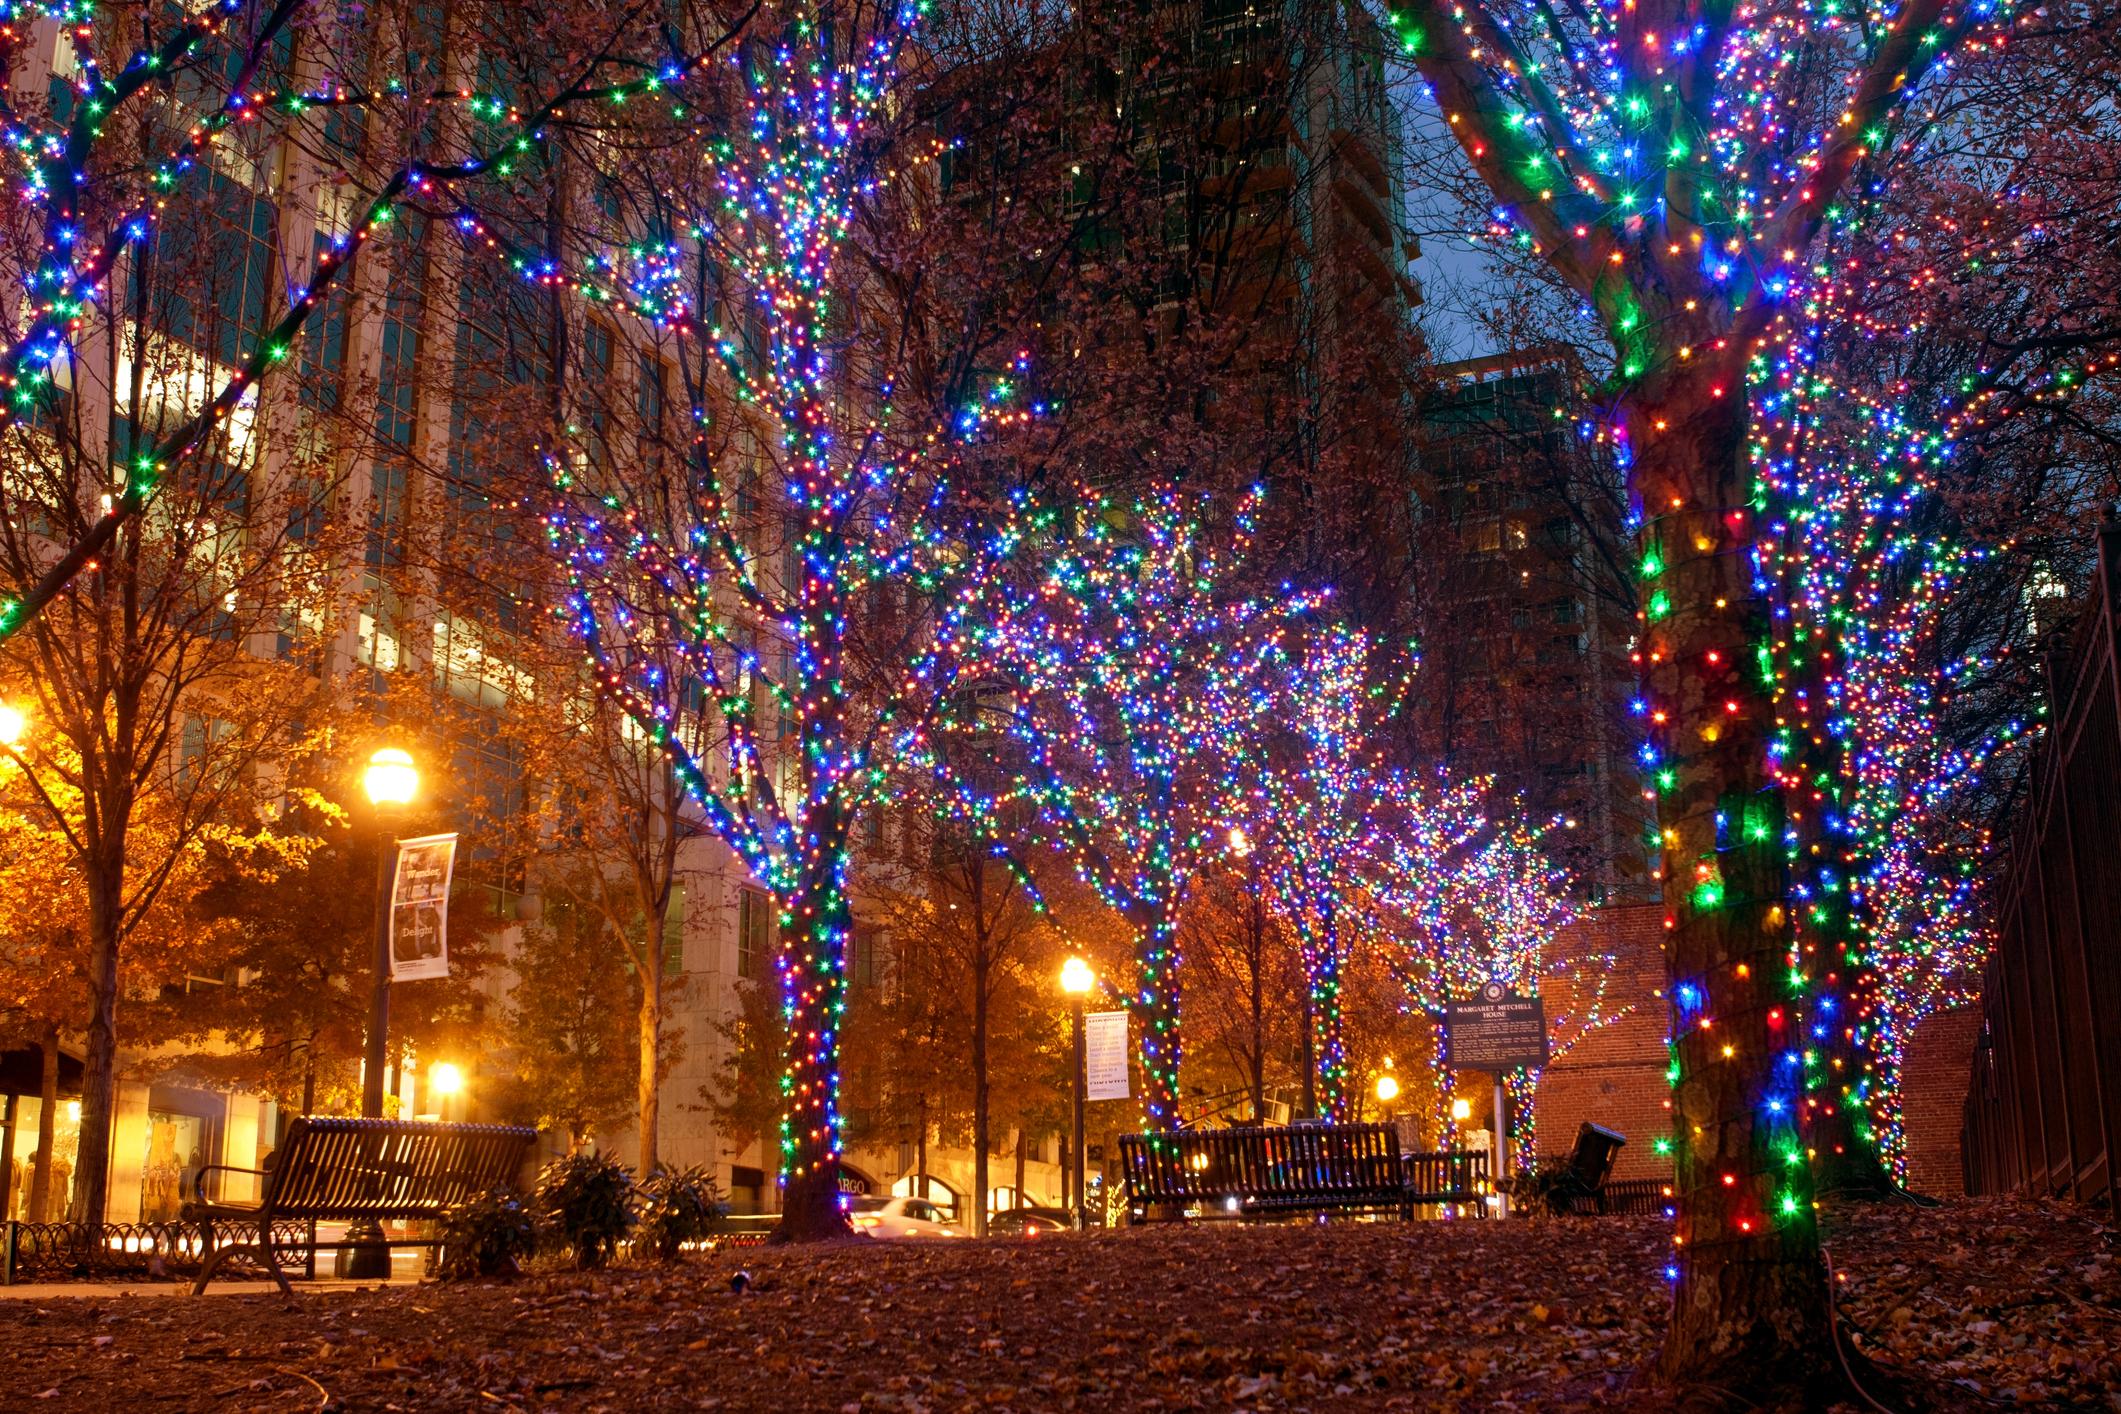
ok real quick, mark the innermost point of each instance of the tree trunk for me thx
(309, 1076)
(1522, 1087)
(1749, 1307)
(1162, 1049)
(1310, 1100)
(648, 1097)
(980, 1120)
(920, 1151)
(99, 1075)
(1258, 1057)
(813, 952)
(1021, 1200)
(40, 1183)
(813, 995)
(1329, 1045)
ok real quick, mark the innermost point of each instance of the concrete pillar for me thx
(128, 1157)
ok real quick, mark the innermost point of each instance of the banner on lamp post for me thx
(419, 908)
(1105, 1055)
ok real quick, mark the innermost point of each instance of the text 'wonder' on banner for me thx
(1105, 1055)
(419, 908)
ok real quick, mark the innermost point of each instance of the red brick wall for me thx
(1615, 1076)
(1933, 1099)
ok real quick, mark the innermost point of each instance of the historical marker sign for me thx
(1498, 1031)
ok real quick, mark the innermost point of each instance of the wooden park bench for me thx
(356, 1170)
(1580, 1184)
(1301, 1168)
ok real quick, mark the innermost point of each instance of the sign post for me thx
(1496, 1033)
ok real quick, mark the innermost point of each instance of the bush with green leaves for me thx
(1550, 1185)
(585, 1204)
(677, 1207)
(484, 1236)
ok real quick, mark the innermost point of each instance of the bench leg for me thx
(272, 1263)
(217, 1256)
(214, 1258)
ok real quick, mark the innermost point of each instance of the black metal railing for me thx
(1626, 1198)
(68, 1251)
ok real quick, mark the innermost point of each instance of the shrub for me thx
(676, 1208)
(483, 1236)
(1549, 1186)
(585, 1202)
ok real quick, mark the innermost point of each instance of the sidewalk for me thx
(232, 1286)
(406, 1269)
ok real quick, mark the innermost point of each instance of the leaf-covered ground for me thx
(2013, 1302)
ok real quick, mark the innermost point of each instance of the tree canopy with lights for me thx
(1128, 671)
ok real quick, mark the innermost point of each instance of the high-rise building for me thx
(1524, 611)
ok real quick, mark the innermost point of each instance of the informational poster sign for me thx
(1499, 1031)
(419, 908)
(1105, 1055)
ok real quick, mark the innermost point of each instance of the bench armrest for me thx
(198, 1180)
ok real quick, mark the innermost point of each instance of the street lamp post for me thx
(1076, 980)
(390, 782)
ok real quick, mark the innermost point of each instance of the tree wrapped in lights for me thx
(761, 591)
(1678, 168)
(1492, 906)
(1129, 673)
(1932, 436)
(1319, 793)
(1871, 675)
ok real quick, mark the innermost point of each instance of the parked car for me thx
(1029, 1222)
(900, 1217)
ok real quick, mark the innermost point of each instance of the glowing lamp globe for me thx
(391, 778)
(1076, 977)
(1387, 1089)
(445, 1078)
(1461, 1110)
(12, 724)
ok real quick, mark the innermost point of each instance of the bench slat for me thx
(347, 1169)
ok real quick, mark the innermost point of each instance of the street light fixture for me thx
(445, 1080)
(12, 725)
(391, 779)
(1461, 1110)
(390, 782)
(1076, 979)
(1387, 1088)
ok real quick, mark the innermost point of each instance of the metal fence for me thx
(67, 1251)
(2043, 1108)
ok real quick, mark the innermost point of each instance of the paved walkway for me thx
(235, 1286)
